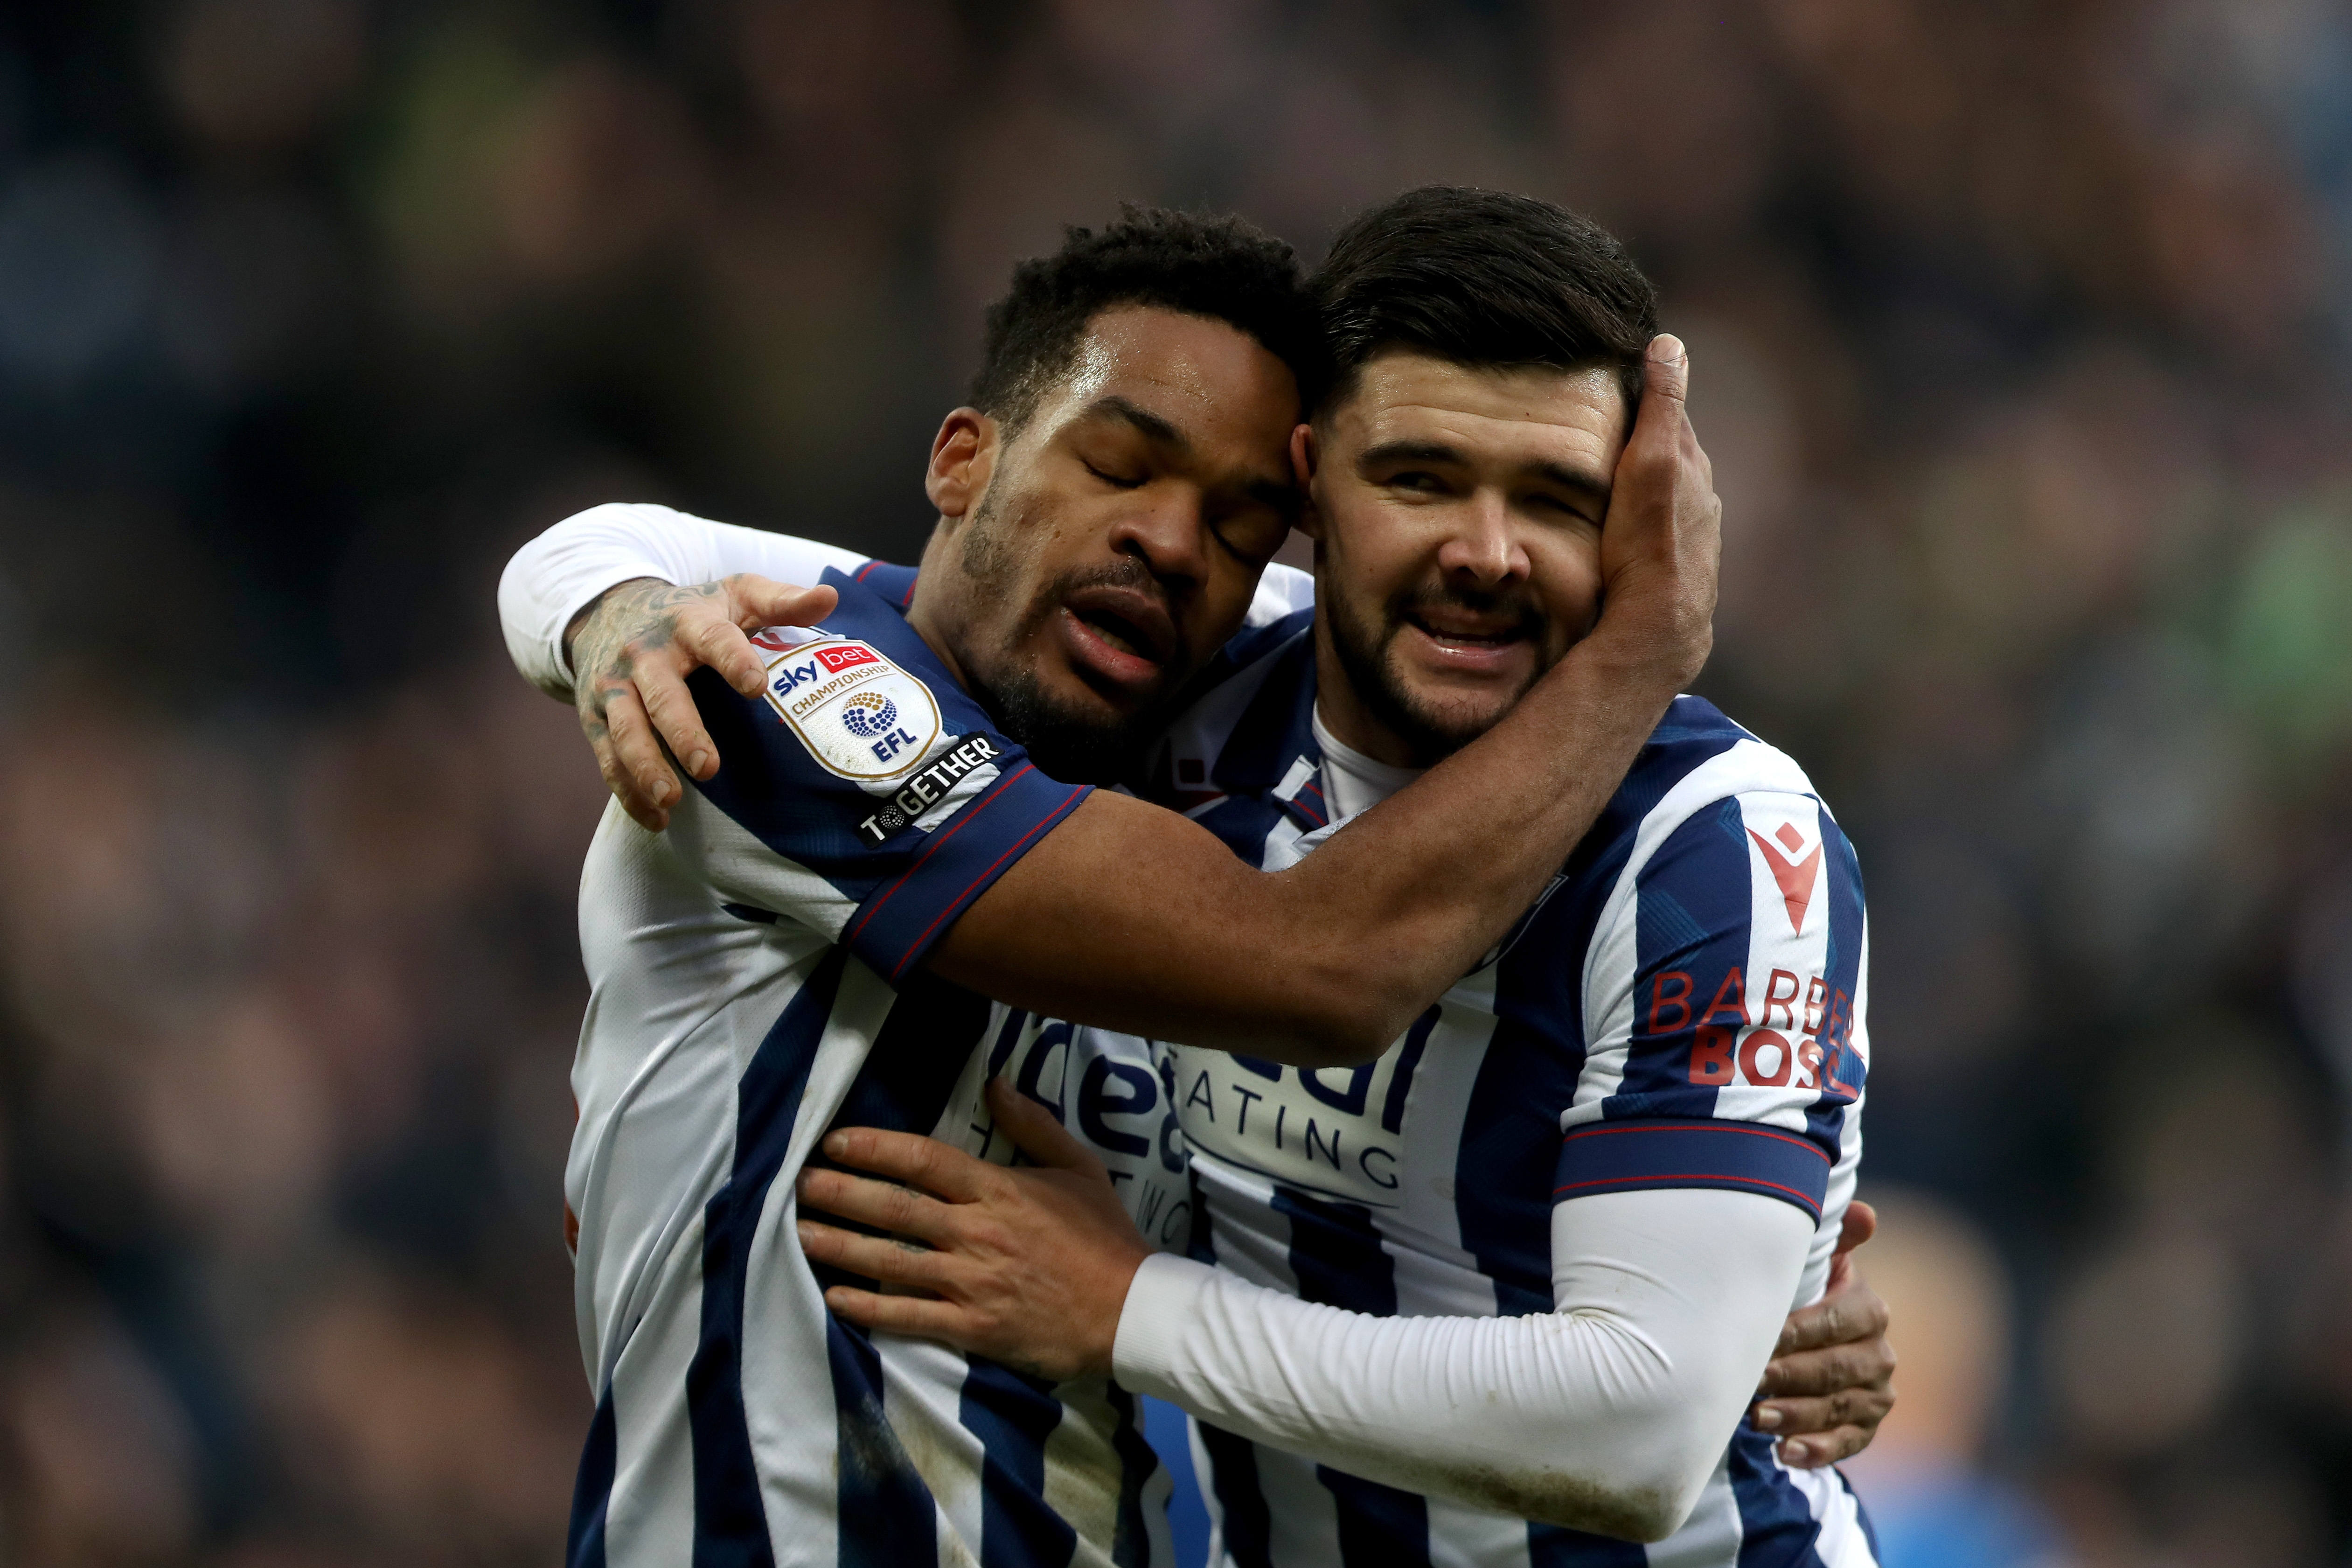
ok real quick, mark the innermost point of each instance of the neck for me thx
(1344, 713)
(939, 603)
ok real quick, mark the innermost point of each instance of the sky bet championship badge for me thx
(859, 715)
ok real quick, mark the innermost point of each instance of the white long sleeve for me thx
(1606, 1414)
(552, 577)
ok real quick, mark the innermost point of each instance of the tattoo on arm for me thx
(630, 619)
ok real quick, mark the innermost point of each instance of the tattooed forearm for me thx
(630, 620)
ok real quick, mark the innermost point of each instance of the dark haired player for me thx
(1592, 1178)
(1356, 1515)
(792, 949)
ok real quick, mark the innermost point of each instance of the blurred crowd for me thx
(2020, 340)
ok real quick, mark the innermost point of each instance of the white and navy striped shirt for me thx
(755, 981)
(1683, 1008)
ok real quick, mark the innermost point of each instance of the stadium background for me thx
(2019, 336)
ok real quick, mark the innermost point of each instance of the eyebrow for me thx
(1438, 452)
(1281, 494)
(1150, 424)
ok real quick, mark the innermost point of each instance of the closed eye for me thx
(1120, 481)
(1562, 507)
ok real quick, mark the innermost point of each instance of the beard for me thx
(1364, 645)
(1067, 738)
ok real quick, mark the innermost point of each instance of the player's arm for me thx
(1703, 1164)
(1134, 919)
(1128, 917)
(674, 592)
(1607, 1415)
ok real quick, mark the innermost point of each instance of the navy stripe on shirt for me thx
(886, 1515)
(1013, 1416)
(1337, 1259)
(730, 1521)
(1244, 1524)
(592, 1493)
(1777, 1527)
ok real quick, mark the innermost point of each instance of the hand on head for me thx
(1661, 542)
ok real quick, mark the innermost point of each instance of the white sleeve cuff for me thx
(1162, 1300)
(561, 572)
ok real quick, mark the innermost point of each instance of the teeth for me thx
(1117, 634)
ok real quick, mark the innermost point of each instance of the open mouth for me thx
(1122, 634)
(1125, 622)
(1468, 634)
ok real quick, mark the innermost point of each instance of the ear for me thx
(1304, 456)
(964, 454)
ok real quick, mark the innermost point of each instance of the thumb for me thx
(1665, 378)
(1034, 1131)
(764, 601)
(1861, 1224)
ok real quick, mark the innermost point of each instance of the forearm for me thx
(564, 571)
(1418, 890)
(1131, 918)
(1607, 1415)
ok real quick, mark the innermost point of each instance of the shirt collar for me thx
(1272, 752)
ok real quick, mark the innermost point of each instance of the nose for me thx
(1483, 546)
(1168, 530)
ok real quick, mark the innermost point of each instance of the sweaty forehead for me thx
(1208, 378)
(1527, 411)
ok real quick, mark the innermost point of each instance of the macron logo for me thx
(1796, 877)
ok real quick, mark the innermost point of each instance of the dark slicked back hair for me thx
(1221, 269)
(1485, 280)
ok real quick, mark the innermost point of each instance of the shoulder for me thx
(1702, 815)
(857, 701)
(1722, 840)
(893, 585)
(1282, 591)
(1697, 758)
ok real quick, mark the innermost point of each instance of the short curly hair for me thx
(1221, 268)
(1483, 279)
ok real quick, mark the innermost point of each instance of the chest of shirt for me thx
(1109, 1091)
(1400, 1132)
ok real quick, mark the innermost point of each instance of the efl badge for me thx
(859, 715)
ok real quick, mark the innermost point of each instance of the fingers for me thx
(654, 789)
(1661, 441)
(603, 729)
(670, 706)
(898, 1314)
(885, 1205)
(1034, 1131)
(764, 601)
(714, 640)
(1859, 1408)
(922, 1161)
(1811, 1453)
(881, 1258)
(1851, 1311)
(1867, 1365)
